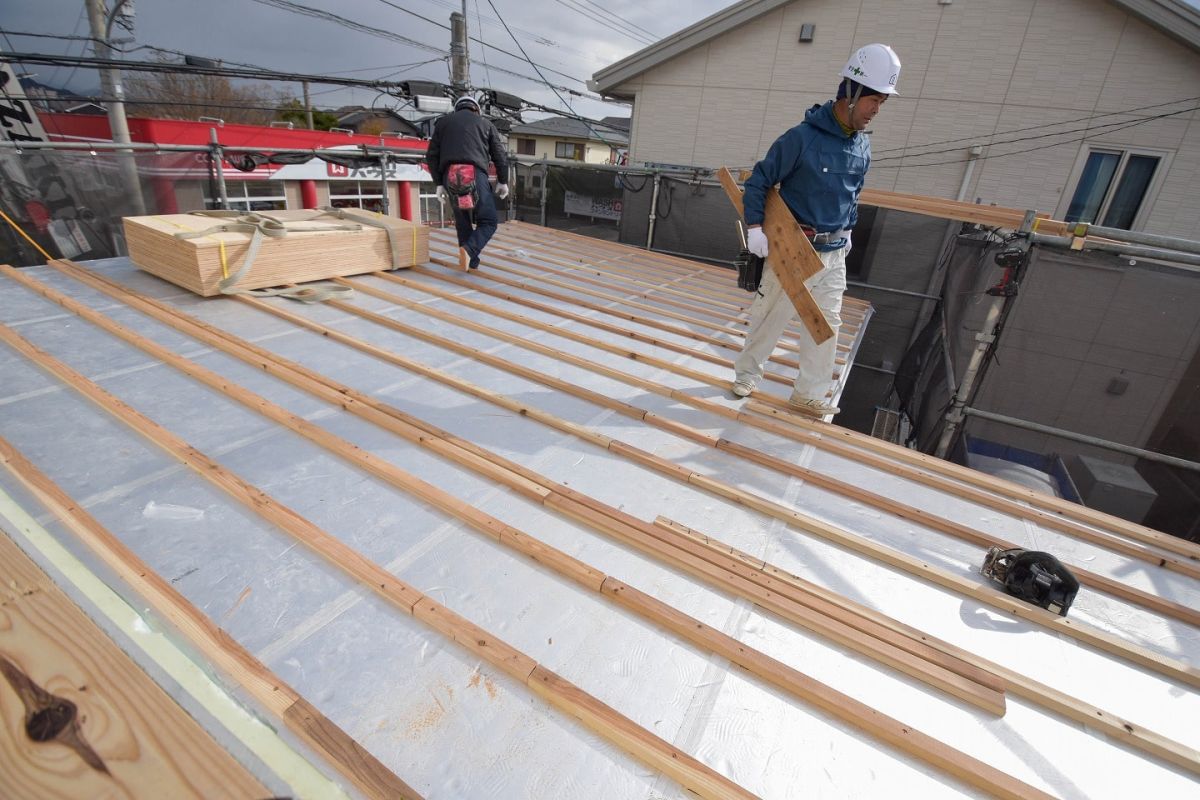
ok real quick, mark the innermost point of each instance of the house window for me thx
(356, 194)
(526, 147)
(251, 196)
(1113, 188)
(568, 150)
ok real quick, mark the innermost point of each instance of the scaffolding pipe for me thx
(1149, 455)
(399, 155)
(218, 156)
(984, 340)
(1122, 249)
(1137, 237)
(545, 190)
(653, 209)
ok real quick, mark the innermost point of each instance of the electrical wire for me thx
(479, 18)
(1119, 125)
(552, 88)
(594, 17)
(471, 38)
(974, 139)
(623, 20)
(1083, 138)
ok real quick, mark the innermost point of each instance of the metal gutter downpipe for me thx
(653, 210)
(1149, 455)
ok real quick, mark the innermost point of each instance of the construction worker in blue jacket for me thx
(820, 166)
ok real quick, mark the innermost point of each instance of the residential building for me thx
(1080, 109)
(567, 139)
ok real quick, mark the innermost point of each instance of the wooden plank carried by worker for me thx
(792, 255)
(193, 251)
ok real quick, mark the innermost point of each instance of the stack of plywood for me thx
(302, 254)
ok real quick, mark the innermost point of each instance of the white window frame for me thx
(358, 195)
(1125, 151)
(240, 198)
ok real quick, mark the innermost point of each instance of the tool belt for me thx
(819, 238)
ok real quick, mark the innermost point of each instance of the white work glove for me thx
(756, 242)
(849, 243)
(502, 190)
(441, 193)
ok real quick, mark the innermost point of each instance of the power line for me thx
(1085, 137)
(487, 70)
(594, 17)
(623, 20)
(302, 10)
(473, 39)
(535, 69)
(163, 66)
(537, 38)
(976, 139)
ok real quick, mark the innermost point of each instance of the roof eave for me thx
(607, 79)
(1175, 18)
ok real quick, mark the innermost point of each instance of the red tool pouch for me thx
(460, 183)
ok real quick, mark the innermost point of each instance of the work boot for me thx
(813, 407)
(474, 263)
(464, 259)
(742, 388)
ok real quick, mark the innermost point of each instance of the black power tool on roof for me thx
(1035, 577)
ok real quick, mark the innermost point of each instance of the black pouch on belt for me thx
(750, 268)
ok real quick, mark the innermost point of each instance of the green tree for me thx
(292, 110)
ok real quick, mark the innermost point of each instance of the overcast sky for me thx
(557, 34)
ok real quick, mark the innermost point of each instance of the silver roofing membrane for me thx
(451, 725)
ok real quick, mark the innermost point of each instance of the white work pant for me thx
(772, 310)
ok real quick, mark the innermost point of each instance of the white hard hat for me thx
(466, 101)
(875, 66)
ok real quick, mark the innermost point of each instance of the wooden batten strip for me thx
(773, 671)
(1019, 684)
(615, 307)
(568, 698)
(358, 766)
(905, 511)
(572, 278)
(990, 699)
(1056, 701)
(619, 269)
(1052, 512)
(1056, 506)
(735, 306)
(612, 305)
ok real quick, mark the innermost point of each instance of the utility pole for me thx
(114, 94)
(308, 119)
(460, 62)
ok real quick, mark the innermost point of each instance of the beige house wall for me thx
(974, 72)
(593, 152)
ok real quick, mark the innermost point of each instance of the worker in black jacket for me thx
(464, 137)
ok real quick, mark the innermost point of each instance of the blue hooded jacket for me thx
(820, 171)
